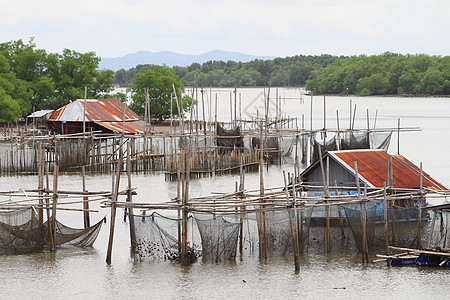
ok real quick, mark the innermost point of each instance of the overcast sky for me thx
(280, 28)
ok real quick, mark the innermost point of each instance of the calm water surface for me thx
(83, 273)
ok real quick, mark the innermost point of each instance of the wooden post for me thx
(241, 190)
(390, 182)
(262, 223)
(47, 202)
(354, 116)
(386, 220)
(419, 231)
(327, 196)
(41, 183)
(55, 198)
(296, 225)
(398, 137)
(115, 194)
(130, 200)
(87, 222)
(432, 229)
(365, 250)
(294, 240)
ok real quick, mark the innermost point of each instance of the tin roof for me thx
(39, 113)
(373, 169)
(126, 127)
(97, 110)
(108, 113)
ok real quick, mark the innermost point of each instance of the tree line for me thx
(32, 79)
(363, 75)
(289, 71)
(388, 73)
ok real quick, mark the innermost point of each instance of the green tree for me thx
(71, 72)
(376, 84)
(432, 82)
(16, 92)
(408, 82)
(160, 82)
(9, 108)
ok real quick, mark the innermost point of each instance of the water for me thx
(83, 273)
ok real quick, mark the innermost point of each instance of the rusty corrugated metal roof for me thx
(97, 110)
(373, 168)
(127, 127)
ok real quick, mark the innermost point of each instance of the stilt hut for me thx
(104, 115)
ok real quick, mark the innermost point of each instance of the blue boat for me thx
(433, 261)
(404, 260)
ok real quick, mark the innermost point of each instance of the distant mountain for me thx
(173, 59)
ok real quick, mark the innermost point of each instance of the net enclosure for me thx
(21, 232)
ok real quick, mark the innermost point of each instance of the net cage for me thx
(438, 234)
(340, 235)
(403, 225)
(229, 139)
(69, 236)
(277, 226)
(21, 232)
(219, 236)
(349, 141)
(211, 237)
(156, 237)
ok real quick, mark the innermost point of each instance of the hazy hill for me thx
(173, 59)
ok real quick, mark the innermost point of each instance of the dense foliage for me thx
(289, 71)
(362, 75)
(31, 78)
(388, 73)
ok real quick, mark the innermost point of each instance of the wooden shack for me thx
(104, 115)
(373, 170)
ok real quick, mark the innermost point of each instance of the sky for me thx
(279, 28)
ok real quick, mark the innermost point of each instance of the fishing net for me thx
(156, 237)
(279, 231)
(287, 145)
(68, 236)
(16, 217)
(219, 237)
(341, 237)
(402, 225)
(380, 140)
(351, 140)
(438, 235)
(329, 145)
(229, 139)
(353, 213)
(23, 234)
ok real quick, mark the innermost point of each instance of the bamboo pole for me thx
(113, 206)
(55, 199)
(41, 183)
(398, 136)
(419, 231)
(294, 240)
(50, 230)
(386, 220)
(87, 221)
(130, 200)
(327, 196)
(365, 251)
